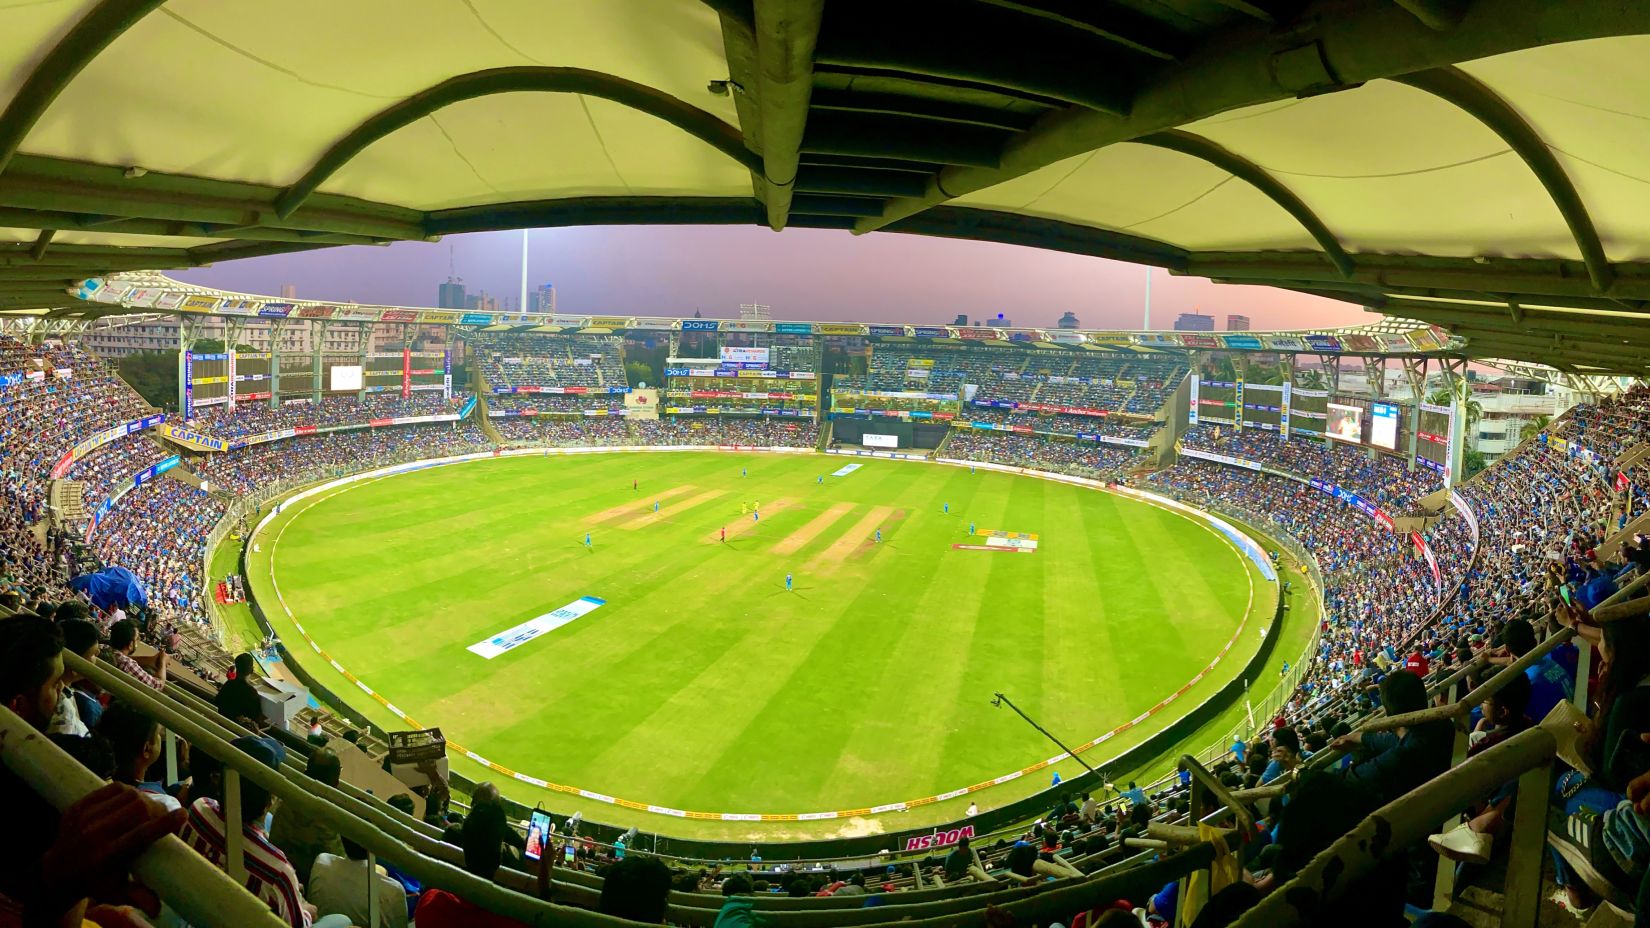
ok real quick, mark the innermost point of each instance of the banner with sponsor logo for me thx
(1323, 343)
(189, 438)
(1357, 342)
(976, 334)
(170, 300)
(838, 328)
(1283, 343)
(398, 315)
(699, 325)
(276, 310)
(1221, 459)
(195, 303)
(1242, 342)
(315, 312)
(103, 438)
(439, 316)
(930, 331)
(1199, 340)
(885, 330)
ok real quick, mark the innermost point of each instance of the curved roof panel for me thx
(1450, 160)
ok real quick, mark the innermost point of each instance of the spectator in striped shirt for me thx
(150, 670)
(269, 875)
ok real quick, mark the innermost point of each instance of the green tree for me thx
(637, 373)
(154, 375)
(1474, 410)
(1313, 379)
(1472, 462)
(1534, 427)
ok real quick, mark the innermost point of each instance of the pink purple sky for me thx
(808, 274)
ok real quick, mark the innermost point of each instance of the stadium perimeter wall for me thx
(825, 847)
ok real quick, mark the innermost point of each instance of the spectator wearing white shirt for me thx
(338, 886)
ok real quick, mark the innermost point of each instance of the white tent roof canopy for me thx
(1448, 160)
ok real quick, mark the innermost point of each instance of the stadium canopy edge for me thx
(1451, 163)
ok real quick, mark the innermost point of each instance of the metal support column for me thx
(1415, 374)
(363, 338)
(276, 329)
(317, 334)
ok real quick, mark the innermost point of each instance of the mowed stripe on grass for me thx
(793, 542)
(742, 525)
(625, 509)
(860, 534)
(673, 510)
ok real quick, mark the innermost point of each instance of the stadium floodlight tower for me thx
(754, 312)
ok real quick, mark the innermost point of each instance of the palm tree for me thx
(1534, 427)
(1473, 409)
(1311, 380)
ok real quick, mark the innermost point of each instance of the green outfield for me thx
(701, 683)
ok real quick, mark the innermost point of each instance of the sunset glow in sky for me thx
(808, 274)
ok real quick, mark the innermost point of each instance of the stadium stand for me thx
(1526, 525)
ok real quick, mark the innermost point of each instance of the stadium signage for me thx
(103, 438)
(533, 628)
(978, 334)
(192, 439)
(1243, 342)
(276, 310)
(699, 325)
(1323, 343)
(475, 319)
(169, 301)
(931, 331)
(609, 322)
(838, 328)
(886, 330)
(939, 839)
(793, 328)
(199, 304)
(1199, 341)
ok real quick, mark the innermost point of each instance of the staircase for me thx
(483, 391)
(68, 499)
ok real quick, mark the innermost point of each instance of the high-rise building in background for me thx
(960, 320)
(480, 302)
(452, 295)
(1236, 323)
(542, 300)
(289, 291)
(1194, 322)
(1069, 321)
(1000, 321)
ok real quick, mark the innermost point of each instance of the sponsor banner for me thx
(276, 310)
(439, 316)
(1357, 502)
(315, 312)
(240, 307)
(745, 325)
(1022, 544)
(838, 328)
(930, 331)
(1323, 343)
(195, 303)
(533, 628)
(169, 300)
(997, 548)
(610, 322)
(757, 356)
(699, 325)
(1393, 342)
(575, 322)
(1065, 338)
(652, 322)
(475, 319)
(1359, 343)
(1221, 459)
(1242, 342)
(190, 438)
(1155, 339)
(356, 314)
(938, 839)
(847, 469)
(90, 289)
(143, 296)
(885, 330)
(188, 384)
(398, 315)
(103, 438)
(1199, 340)
(1424, 340)
(144, 476)
(978, 334)
(1283, 343)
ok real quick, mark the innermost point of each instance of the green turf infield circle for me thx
(701, 685)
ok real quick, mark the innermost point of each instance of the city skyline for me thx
(805, 274)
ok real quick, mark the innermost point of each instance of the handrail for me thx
(200, 892)
(323, 804)
(1407, 821)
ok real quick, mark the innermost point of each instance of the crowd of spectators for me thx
(109, 469)
(1061, 424)
(304, 458)
(1383, 479)
(256, 418)
(525, 359)
(1078, 458)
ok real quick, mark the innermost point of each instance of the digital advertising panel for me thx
(344, 377)
(1383, 425)
(1345, 423)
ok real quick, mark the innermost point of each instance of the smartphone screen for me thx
(1564, 594)
(538, 834)
(569, 851)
